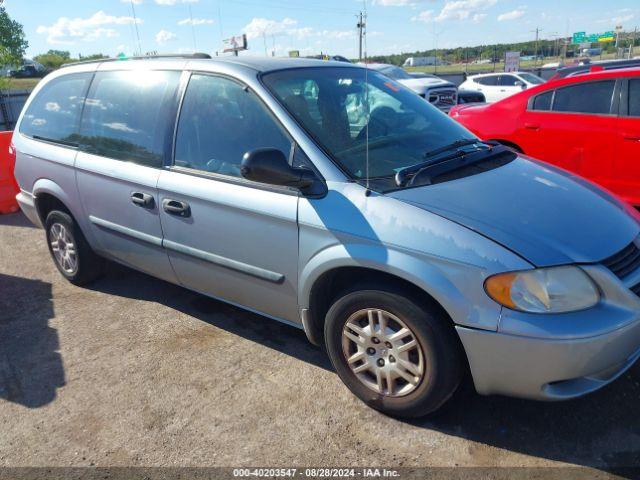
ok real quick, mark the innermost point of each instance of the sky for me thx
(310, 26)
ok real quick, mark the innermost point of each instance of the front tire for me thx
(396, 355)
(70, 251)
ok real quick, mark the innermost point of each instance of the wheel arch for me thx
(48, 196)
(328, 275)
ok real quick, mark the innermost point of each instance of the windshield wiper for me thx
(437, 164)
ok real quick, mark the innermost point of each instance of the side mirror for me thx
(269, 165)
(522, 85)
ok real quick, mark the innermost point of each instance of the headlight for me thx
(543, 290)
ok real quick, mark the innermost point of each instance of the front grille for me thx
(443, 98)
(625, 261)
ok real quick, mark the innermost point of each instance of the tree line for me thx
(544, 48)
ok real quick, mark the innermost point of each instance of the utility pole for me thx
(361, 28)
(537, 30)
(633, 43)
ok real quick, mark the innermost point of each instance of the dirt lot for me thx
(135, 371)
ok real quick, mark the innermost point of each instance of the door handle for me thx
(176, 207)
(532, 126)
(631, 137)
(143, 200)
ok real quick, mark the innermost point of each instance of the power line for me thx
(193, 29)
(135, 24)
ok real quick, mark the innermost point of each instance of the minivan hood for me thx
(545, 215)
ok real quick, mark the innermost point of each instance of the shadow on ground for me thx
(16, 220)
(31, 368)
(286, 339)
(601, 430)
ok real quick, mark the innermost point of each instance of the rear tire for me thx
(70, 251)
(388, 372)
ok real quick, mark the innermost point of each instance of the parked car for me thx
(438, 92)
(498, 86)
(470, 96)
(588, 124)
(407, 246)
(586, 67)
(28, 71)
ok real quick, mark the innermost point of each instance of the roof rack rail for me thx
(197, 55)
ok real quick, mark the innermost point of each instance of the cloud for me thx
(174, 2)
(164, 36)
(67, 31)
(623, 15)
(195, 21)
(135, 2)
(457, 10)
(258, 27)
(512, 15)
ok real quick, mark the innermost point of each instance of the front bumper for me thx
(28, 207)
(556, 357)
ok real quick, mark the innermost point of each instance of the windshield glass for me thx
(531, 78)
(395, 72)
(334, 105)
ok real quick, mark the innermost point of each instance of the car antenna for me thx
(363, 31)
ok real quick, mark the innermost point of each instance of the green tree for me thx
(53, 59)
(13, 43)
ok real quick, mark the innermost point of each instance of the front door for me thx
(228, 237)
(125, 123)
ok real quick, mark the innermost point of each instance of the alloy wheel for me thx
(64, 248)
(383, 352)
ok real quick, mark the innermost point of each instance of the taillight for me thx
(12, 156)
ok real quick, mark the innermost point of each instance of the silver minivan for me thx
(330, 197)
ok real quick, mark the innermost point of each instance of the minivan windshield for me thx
(335, 106)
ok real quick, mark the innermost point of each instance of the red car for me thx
(588, 124)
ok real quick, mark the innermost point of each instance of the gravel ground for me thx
(138, 372)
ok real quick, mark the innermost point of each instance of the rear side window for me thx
(127, 115)
(542, 101)
(220, 121)
(54, 113)
(491, 80)
(634, 98)
(592, 97)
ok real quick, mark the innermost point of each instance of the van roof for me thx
(261, 64)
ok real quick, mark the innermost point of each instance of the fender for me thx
(427, 275)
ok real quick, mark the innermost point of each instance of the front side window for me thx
(507, 81)
(591, 97)
(127, 115)
(531, 78)
(55, 112)
(220, 121)
(634, 98)
(342, 107)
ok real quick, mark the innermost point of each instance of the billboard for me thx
(511, 61)
(235, 43)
